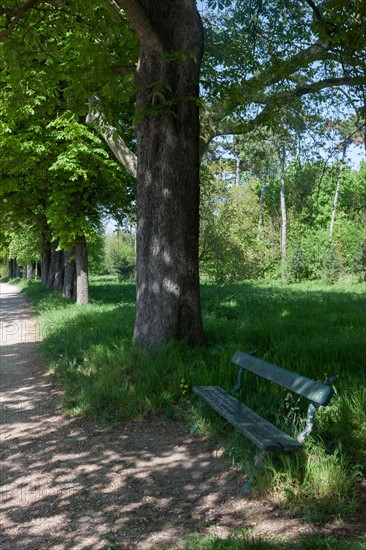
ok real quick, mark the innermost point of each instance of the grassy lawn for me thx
(315, 330)
(243, 541)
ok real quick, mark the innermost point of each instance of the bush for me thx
(332, 265)
(123, 266)
(3, 270)
(298, 265)
(359, 261)
(121, 255)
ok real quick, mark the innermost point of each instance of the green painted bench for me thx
(265, 435)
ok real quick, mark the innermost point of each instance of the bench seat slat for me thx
(314, 391)
(262, 433)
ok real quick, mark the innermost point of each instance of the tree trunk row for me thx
(64, 271)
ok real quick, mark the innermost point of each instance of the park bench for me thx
(266, 436)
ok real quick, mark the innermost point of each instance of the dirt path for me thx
(67, 483)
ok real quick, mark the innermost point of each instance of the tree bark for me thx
(283, 219)
(11, 269)
(29, 270)
(45, 257)
(81, 264)
(68, 290)
(17, 270)
(45, 266)
(58, 281)
(168, 299)
(52, 266)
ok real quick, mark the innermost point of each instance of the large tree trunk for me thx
(17, 270)
(52, 266)
(45, 265)
(68, 291)
(11, 269)
(29, 270)
(45, 257)
(58, 281)
(81, 263)
(168, 300)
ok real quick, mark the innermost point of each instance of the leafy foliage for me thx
(359, 261)
(332, 264)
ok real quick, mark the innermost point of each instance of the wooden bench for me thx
(265, 435)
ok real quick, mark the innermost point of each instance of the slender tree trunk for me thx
(81, 264)
(45, 257)
(168, 299)
(11, 269)
(336, 195)
(68, 291)
(17, 270)
(237, 171)
(283, 219)
(261, 204)
(29, 271)
(45, 265)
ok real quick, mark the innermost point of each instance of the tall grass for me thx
(246, 541)
(312, 329)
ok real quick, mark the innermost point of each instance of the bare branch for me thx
(97, 120)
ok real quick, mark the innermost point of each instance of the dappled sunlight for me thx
(72, 483)
(66, 481)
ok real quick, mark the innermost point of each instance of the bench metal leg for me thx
(258, 461)
(309, 423)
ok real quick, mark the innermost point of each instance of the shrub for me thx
(332, 265)
(298, 265)
(359, 261)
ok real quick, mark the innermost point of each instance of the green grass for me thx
(248, 542)
(310, 328)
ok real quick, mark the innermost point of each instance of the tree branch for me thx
(124, 70)
(137, 16)
(97, 120)
(284, 69)
(14, 15)
(228, 126)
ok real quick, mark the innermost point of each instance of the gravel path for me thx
(67, 483)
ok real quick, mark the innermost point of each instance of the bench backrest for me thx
(314, 391)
